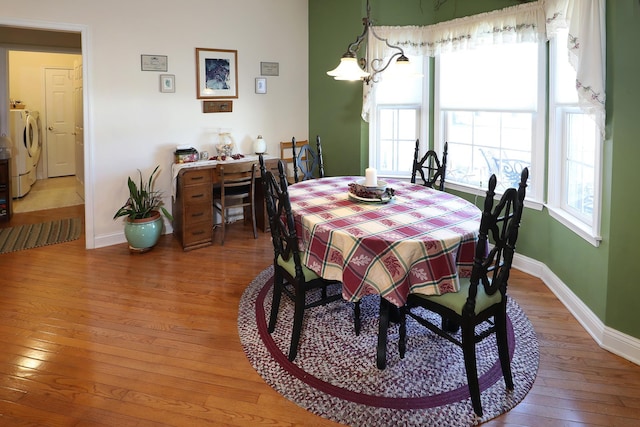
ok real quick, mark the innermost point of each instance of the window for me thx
(398, 118)
(574, 151)
(398, 129)
(490, 109)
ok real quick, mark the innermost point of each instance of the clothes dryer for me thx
(25, 134)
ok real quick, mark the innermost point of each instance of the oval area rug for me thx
(335, 375)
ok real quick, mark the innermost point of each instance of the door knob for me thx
(50, 128)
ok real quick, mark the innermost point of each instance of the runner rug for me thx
(335, 374)
(34, 235)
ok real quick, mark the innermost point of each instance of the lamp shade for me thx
(348, 69)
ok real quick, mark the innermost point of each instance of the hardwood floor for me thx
(107, 338)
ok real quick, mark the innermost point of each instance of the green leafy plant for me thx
(143, 200)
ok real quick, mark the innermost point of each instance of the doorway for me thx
(44, 82)
(55, 38)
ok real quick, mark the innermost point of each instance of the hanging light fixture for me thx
(351, 69)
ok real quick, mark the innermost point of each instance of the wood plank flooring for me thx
(107, 338)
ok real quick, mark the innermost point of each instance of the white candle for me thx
(371, 177)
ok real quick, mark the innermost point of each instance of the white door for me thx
(79, 126)
(61, 159)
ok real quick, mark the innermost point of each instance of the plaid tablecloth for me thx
(420, 242)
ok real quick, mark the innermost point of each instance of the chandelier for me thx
(351, 69)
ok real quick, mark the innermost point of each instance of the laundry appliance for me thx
(26, 134)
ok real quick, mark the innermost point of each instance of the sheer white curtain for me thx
(585, 20)
(524, 23)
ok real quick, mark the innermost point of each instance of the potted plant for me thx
(143, 222)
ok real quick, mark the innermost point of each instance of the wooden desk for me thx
(192, 206)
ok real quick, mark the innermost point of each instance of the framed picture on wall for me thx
(167, 83)
(261, 85)
(153, 62)
(216, 73)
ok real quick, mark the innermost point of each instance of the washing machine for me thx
(24, 126)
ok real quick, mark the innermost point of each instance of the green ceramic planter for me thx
(143, 234)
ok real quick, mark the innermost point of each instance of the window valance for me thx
(531, 22)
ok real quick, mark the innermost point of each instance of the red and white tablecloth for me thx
(420, 242)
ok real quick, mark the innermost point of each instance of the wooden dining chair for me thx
(291, 276)
(288, 150)
(307, 163)
(429, 167)
(236, 190)
(482, 299)
(320, 159)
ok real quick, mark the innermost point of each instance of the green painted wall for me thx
(623, 147)
(601, 277)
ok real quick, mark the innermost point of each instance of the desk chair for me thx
(237, 190)
(483, 296)
(429, 167)
(291, 277)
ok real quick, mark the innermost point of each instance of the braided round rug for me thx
(335, 374)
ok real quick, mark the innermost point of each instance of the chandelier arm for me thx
(378, 60)
(375, 67)
(355, 46)
(386, 41)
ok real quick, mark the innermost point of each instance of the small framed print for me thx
(167, 83)
(261, 85)
(154, 62)
(269, 68)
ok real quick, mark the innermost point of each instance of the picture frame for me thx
(216, 73)
(261, 85)
(167, 83)
(269, 68)
(154, 63)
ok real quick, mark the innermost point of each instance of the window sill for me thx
(574, 225)
(531, 204)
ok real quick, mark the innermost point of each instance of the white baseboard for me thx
(610, 339)
(116, 238)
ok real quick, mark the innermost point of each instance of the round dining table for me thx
(419, 241)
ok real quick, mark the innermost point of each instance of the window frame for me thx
(375, 160)
(423, 121)
(557, 159)
(535, 190)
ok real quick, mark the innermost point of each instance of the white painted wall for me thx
(26, 75)
(131, 125)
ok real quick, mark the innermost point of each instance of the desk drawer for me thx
(197, 194)
(196, 233)
(197, 212)
(198, 176)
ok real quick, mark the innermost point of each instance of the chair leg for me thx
(503, 349)
(253, 220)
(224, 221)
(275, 301)
(402, 339)
(381, 352)
(450, 325)
(356, 317)
(469, 351)
(298, 316)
